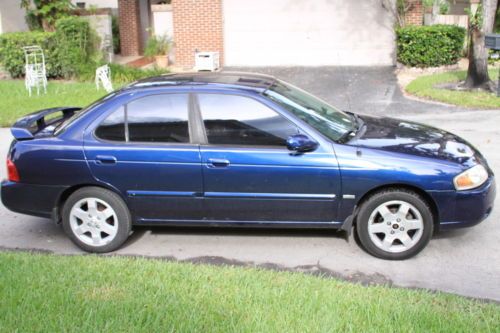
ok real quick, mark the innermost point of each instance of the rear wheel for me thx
(97, 220)
(394, 224)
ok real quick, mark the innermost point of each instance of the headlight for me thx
(471, 178)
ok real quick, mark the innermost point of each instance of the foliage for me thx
(46, 12)
(428, 3)
(72, 47)
(475, 18)
(48, 293)
(427, 46)
(444, 7)
(12, 55)
(120, 74)
(77, 45)
(157, 45)
(115, 28)
(425, 86)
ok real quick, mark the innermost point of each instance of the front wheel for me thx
(97, 220)
(394, 224)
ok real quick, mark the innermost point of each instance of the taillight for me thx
(12, 171)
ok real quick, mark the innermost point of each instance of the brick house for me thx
(269, 33)
(418, 15)
(263, 32)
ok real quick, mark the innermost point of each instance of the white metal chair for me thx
(36, 76)
(103, 77)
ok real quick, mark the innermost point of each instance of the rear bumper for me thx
(459, 209)
(30, 199)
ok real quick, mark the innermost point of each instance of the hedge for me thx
(429, 46)
(12, 54)
(70, 48)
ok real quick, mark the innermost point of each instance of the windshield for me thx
(62, 126)
(332, 123)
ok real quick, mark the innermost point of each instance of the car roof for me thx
(238, 80)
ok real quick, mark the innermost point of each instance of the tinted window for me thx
(113, 127)
(240, 120)
(159, 118)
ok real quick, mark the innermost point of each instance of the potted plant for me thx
(159, 48)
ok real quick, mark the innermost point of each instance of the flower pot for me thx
(162, 61)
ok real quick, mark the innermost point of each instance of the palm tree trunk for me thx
(477, 73)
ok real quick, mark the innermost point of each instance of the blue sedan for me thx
(238, 149)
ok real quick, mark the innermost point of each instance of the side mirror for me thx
(301, 143)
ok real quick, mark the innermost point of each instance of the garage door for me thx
(307, 33)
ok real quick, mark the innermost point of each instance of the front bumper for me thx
(31, 199)
(459, 209)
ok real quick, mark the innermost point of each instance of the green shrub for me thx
(430, 46)
(77, 45)
(121, 74)
(157, 46)
(67, 51)
(12, 54)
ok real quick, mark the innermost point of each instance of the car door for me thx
(145, 149)
(250, 175)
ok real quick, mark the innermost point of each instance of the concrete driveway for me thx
(464, 261)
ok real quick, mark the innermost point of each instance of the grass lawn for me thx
(424, 87)
(15, 102)
(47, 293)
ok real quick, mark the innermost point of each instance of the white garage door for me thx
(307, 33)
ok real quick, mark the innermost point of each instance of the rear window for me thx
(156, 118)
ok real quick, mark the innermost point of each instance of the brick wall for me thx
(128, 13)
(415, 16)
(197, 26)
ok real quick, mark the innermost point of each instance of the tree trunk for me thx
(477, 73)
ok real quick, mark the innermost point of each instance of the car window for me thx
(113, 127)
(159, 118)
(156, 118)
(238, 120)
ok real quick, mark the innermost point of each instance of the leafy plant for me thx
(426, 46)
(12, 55)
(428, 3)
(77, 45)
(444, 7)
(67, 51)
(157, 46)
(46, 12)
(475, 18)
(120, 74)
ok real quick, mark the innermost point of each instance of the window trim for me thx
(201, 123)
(146, 143)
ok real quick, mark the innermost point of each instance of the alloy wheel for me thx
(93, 221)
(395, 226)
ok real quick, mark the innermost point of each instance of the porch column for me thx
(129, 21)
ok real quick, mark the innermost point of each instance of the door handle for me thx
(218, 163)
(105, 159)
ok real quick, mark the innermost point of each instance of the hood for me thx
(407, 137)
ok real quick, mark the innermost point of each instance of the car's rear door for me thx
(145, 149)
(250, 175)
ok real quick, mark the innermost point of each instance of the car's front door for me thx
(145, 150)
(250, 175)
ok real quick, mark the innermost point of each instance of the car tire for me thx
(394, 224)
(96, 220)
